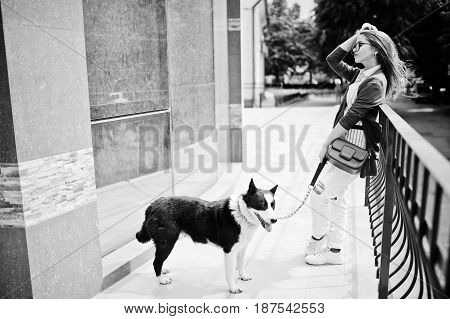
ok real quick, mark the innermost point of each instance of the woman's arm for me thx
(370, 95)
(334, 59)
(337, 132)
(348, 44)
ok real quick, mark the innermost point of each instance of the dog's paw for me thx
(165, 271)
(236, 290)
(164, 280)
(245, 277)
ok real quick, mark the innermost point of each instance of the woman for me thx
(383, 77)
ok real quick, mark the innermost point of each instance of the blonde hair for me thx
(393, 68)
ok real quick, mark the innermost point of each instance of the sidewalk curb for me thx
(280, 100)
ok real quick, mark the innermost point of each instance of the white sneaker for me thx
(315, 246)
(325, 256)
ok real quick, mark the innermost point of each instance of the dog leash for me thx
(310, 188)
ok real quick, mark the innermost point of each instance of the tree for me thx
(289, 40)
(430, 38)
(415, 37)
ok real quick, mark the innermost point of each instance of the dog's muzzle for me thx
(266, 226)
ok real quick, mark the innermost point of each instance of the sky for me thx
(306, 7)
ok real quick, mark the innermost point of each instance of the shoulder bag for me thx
(347, 156)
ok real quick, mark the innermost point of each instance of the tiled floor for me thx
(276, 259)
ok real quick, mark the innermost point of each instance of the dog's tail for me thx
(142, 236)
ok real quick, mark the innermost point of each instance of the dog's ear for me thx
(251, 187)
(274, 189)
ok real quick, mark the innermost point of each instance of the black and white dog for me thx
(229, 223)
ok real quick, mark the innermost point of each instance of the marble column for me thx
(49, 245)
(221, 96)
(234, 79)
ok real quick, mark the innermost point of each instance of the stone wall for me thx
(126, 53)
(49, 245)
(191, 68)
(11, 207)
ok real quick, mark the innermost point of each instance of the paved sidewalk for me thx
(276, 259)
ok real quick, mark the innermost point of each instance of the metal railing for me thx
(409, 208)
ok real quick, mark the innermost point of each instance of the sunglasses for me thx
(358, 45)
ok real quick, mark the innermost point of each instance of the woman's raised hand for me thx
(368, 26)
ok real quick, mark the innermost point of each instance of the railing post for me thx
(383, 286)
(366, 193)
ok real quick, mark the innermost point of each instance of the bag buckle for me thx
(347, 153)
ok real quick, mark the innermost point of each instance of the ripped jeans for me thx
(329, 205)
